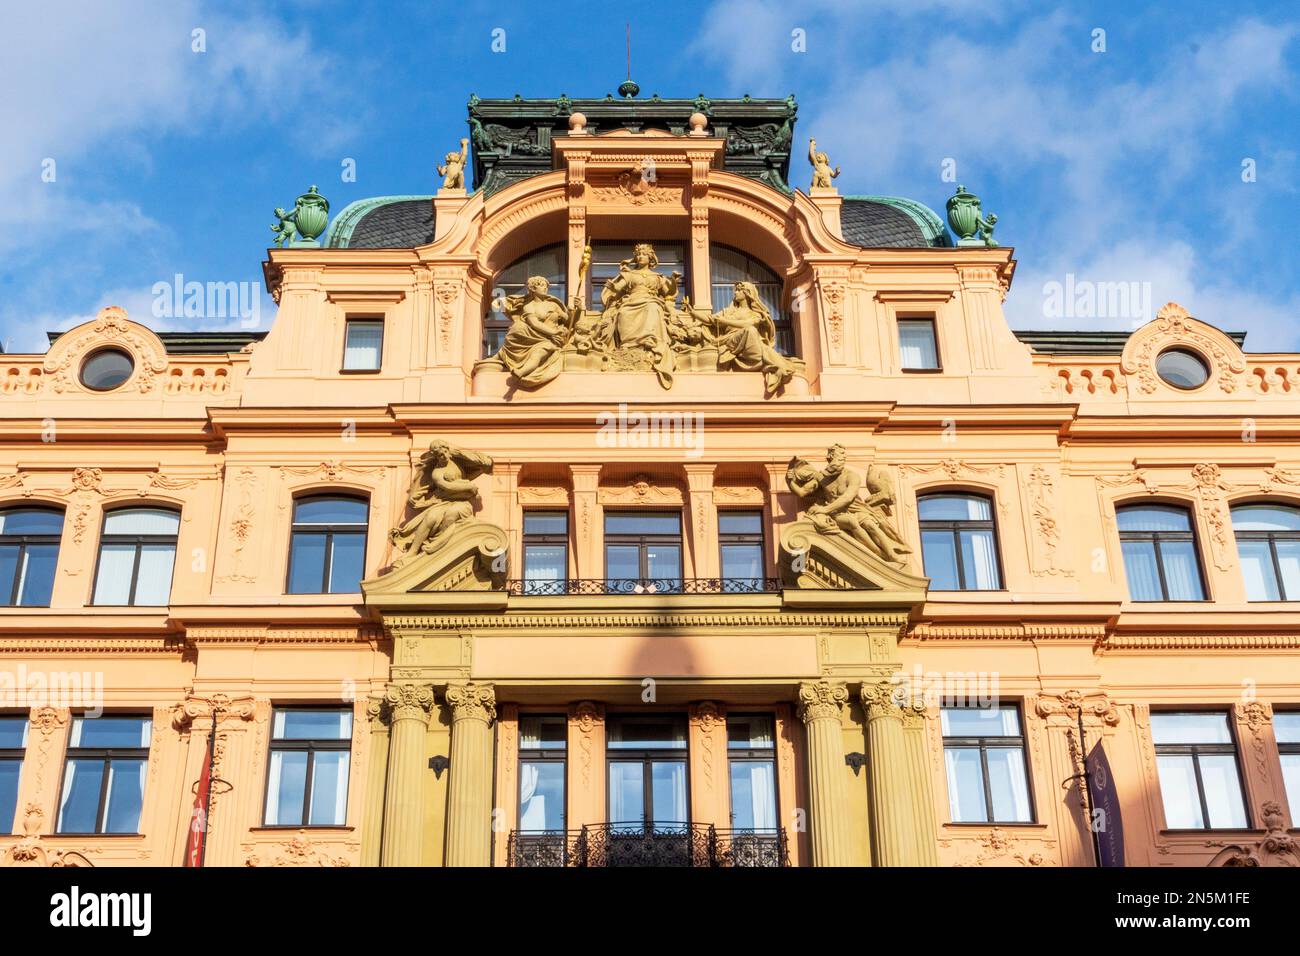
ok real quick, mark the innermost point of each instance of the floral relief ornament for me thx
(111, 326)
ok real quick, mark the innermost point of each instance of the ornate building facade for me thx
(636, 507)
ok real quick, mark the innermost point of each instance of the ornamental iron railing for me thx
(532, 587)
(649, 845)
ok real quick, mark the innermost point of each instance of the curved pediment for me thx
(818, 561)
(471, 557)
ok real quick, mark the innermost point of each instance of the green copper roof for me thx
(339, 235)
(927, 220)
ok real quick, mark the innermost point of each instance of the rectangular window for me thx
(984, 753)
(13, 745)
(643, 551)
(307, 780)
(1287, 728)
(1199, 778)
(751, 753)
(542, 744)
(546, 552)
(647, 771)
(363, 347)
(137, 553)
(103, 777)
(740, 539)
(918, 348)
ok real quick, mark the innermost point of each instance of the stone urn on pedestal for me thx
(311, 214)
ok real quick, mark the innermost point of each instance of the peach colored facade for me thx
(435, 669)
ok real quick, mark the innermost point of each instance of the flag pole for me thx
(1085, 794)
(207, 796)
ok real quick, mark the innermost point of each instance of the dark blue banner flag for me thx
(1104, 800)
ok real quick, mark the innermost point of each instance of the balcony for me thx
(638, 845)
(539, 588)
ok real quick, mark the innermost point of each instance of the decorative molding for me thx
(1094, 705)
(597, 619)
(409, 700)
(641, 490)
(822, 700)
(472, 701)
(1174, 327)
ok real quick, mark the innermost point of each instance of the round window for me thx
(107, 369)
(1182, 369)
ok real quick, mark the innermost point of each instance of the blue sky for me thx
(1117, 166)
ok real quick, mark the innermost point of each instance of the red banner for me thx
(197, 842)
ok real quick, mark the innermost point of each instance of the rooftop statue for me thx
(835, 508)
(453, 169)
(540, 326)
(442, 494)
(821, 164)
(746, 337)
(639, 303)
(308, 220)
(967, 220)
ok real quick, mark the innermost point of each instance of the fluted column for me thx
(409, 703)
(820, 706)
(921, 785)
(469, 800)
(892, 822)
(372, 811)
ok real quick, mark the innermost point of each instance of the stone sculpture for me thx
(821, 164)
(442, 494)
(453, 169)
(834, 506)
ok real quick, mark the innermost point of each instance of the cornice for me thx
(614, 620)
(1198, 642)
(1177, 429)
(927, 632)
(567, 415)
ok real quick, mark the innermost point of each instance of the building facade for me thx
(636, 507)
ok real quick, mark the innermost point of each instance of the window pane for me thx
(313, 725)
(348, 563)
(286, 786)
(9, 557)
(113, 580)
(916, 345)
(662, 733)
(541, 795)
(965, 785)
(1178, 790)
(664, 560)
(1008, 784)
(648, 523)
(125, 796)
(1286, 727)
(80, 800)
(364, 345)
(1190, 729)
(622, 561)
(753, 795)
(742, 561)
(1265, 518)
(546, 522)
(750, 733)
(1000, 721)
(1291, 776)
(13, 732)
(329, 788)
(740, 522)
(1257, 570)
(1140, 569)
(668, 790)
(955, 508)
(980, 560)
(545, 562)
(1223, 791)
(140, 521)
(153, 586)
(329, 511)
(1182, 574)
(306, 562)
(9, 773)
(31, 521)
(114, 732)
(1288, 558)
(37, 582)
(1152, 518)
(626, 792)
(542, 733)
(939, 555)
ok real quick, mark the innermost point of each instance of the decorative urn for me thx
(311, 214)
(964, 213)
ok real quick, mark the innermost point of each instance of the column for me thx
(585, 782)
(922, 785)
(892, 819)
(469, 800)
(409, 704)
(372, 810)
(820, 706)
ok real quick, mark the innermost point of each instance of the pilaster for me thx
(821, 704)
(710, 779)
(469, 801)
(409, 703)
(893, 791)
(704, 521)
(378, 716)
(585, 783)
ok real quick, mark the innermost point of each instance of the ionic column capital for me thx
(409, 700)
(821, 700)
(472, 701)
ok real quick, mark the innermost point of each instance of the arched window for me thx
(327, 547)
(29, 552)
(728, 266)
(959, 543)
(1160, 557)
(549, 262)
(137, 552)
(1268, 541)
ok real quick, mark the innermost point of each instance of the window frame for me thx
(311, 745)
(139, 541)
(752, 755)
(1001, 742)
(957, 526)
(1270, 537)
(1289, 748)
(541, 755)
(544, 539)
(647, 756)
(329, 531)
(640, 541)
(354, 320)
(1194, 750)
(1156, 537)
(107, 755)
(16, 755)
(930, 319)
(740, 538)
(22, 541)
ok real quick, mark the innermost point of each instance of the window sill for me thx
(95, 836)
(314, 827)
(975, 826)
(1194, 831)
(360, 371)
(921, 371)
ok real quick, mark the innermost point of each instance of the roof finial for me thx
(627, 89)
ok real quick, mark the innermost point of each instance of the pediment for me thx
(471, 558)
(814, 561)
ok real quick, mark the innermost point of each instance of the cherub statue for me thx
(821, 164)
(286, 229)
(835, 507)
(985, 227)
(453, 169)
(539, 329)
(442, 494)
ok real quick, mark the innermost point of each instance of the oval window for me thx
(107, 369)
(1182, 369)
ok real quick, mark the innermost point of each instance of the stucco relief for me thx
(1043, 510)
(998, 847)
(1172, 327)
(110, 327)
(302, 850)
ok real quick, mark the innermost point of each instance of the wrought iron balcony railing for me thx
(646, 845)
(532, 587)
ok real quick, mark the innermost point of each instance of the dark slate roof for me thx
(396, 225)
(1087, 343)
(198, 343)
(864, 222)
